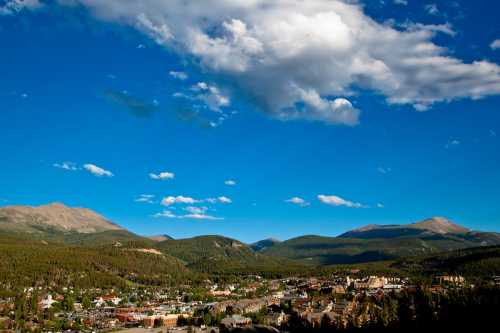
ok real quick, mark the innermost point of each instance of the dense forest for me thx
(40, 263)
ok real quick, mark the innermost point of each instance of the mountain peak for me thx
(55, 216)
(57, 205)
(440, 225)
(160, 238)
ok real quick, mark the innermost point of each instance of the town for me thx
(343, 300)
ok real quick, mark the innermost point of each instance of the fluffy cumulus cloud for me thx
(180, 199)
(230, 182)
(495, 45)
(334, 200)
(192, 212)
(171, 200)
(162, 175)
(11, 7)
(305, 59)
(97, 171)
(298, 201)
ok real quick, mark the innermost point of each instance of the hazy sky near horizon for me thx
(251, 118)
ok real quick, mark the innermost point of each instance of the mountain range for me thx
(83, 227)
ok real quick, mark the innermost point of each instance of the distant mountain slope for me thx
(437, 225)
(160, 238)
(28, 262)
(383, 242)
(54, 217)
(57, 222)
(473, 263)
(264, 244)
(223, 255)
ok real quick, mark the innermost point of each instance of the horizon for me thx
(253, 121)
(249, 242)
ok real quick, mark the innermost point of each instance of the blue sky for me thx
(333, 105)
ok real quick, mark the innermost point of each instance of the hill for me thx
(478, 262)
(264, 244)
(28, 262)
(217, 254)
(160, 238)
(83, 228)
(435, 225)
(383, 242)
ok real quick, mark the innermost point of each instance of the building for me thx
(275, 319)
(47, 302)
(236, 321)
(451, 279)
(170, 320)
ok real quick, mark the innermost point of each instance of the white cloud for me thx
(452, 143)
(162, 175)
(401, 2)
(70, 166)
(495, 44)
(224, 200)
(383, 170)
(334, 200)
(211, 95)
(159, 32)
(446, 28)
(380, 205)
(170, 200)
(11, 7)
(305, 59)
(97, 171)
(178, 75)
(166, 213)
(196, 210)
(432, 9)
(230, 182)
(200, 217)
(298, 201)
(147, 198)
(194, 213)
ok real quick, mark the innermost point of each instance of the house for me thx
(275, 319)
(451, 279)
(149, 321)
(170, 320)
(236, 321)
(496, 280)
(47, 302)
(338, 289)
(344, 307)
(112, 299)
(218, 293)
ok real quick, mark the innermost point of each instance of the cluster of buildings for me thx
(236, 304)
